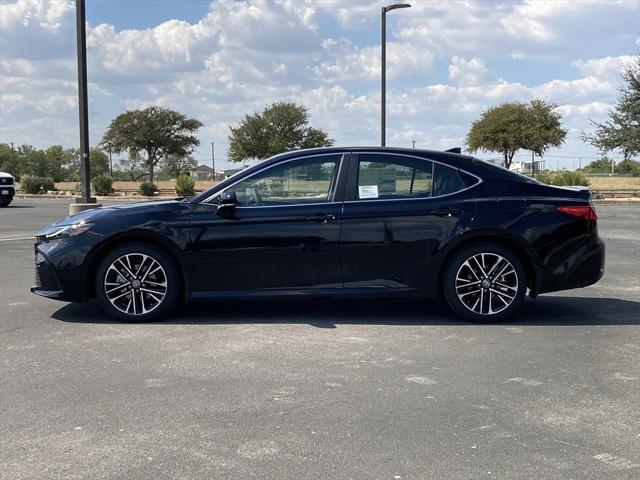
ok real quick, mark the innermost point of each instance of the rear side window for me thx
(390, 177)
(447, 180)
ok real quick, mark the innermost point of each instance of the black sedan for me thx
(329, 222)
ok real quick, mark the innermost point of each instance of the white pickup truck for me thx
(7, 189)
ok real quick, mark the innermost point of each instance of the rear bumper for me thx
(583, 267)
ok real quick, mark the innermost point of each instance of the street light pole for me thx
(85, 166)
(213, 164)
(383, 59)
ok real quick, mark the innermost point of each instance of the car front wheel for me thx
(136, 283)
(485, 283)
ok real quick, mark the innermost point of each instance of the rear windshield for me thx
(501, 172)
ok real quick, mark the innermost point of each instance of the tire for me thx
(475, 299)
(145, 274)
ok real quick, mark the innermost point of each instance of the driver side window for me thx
(308, 180)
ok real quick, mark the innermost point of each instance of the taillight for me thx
(586, 212)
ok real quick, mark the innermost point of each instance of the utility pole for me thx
(110, 165)
(383, 58)
(414, 144)
(86, 201)
(213, 163)
(533, 166)
(580, 163)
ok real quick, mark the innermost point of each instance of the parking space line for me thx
(15, 239)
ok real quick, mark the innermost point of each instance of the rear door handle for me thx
(321, 218)
(445, 211)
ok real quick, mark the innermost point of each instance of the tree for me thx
(133, 167)
(509, 127)
(601, 165)
(175, 165)
(154, 132)
(278, 128)
(545, 128)
(57, 163)
(622, 130)
(99, 163)
(9, 161)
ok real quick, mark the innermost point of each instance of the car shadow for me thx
(329, 313)
(20, 206)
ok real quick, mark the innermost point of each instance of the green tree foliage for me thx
(9, 161)
(33, 184)
(628, 167)
(152, 134)
(131, 168)
(509, 127)
(278, 128)
(103, 184)
(602, 165)
(148, 189)
(176, 165)
(563, 178)
(622, 130)
(185, 186)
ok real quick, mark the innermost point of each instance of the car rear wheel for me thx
(485, 283)
(136, 283)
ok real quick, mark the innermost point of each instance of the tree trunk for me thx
(150, 172)
(507, 163)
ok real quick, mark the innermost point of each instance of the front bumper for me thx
(7, 193)
(45, 282)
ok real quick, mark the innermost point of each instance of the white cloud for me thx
(402, 59)
(447, 62)
(469, 72)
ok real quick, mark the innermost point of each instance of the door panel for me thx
(266, 247)
(282, 234)
(391, 242)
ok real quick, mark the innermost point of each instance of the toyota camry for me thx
(332, 222)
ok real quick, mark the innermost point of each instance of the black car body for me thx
(338, 221)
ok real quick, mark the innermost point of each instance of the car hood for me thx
(95, 214)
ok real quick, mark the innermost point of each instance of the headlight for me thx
(66, 231)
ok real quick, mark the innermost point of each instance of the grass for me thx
(614, 183)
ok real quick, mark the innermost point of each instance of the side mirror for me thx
(227, 205)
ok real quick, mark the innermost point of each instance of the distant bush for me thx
(185, 186)
(148, 189)
(628, 167)
(102, 184)
(34, 185)
(563, 178)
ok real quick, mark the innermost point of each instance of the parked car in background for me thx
(7, 188)
(335, 221)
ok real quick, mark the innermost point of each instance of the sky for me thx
(447, 62)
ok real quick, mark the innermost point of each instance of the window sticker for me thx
(367, 191)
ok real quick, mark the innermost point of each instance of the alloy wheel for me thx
(486, 283)
(135, 284)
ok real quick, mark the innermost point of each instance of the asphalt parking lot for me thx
(321, 389)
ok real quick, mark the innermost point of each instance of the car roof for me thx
(454, 159)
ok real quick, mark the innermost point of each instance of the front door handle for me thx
(321, 218)
(445, 211)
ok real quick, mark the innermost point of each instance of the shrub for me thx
(102, 184)
(33, 185)
(563, 178)
(148, 189)
(185, 186)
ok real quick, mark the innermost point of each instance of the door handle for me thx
(445, 211)
(321, 218)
